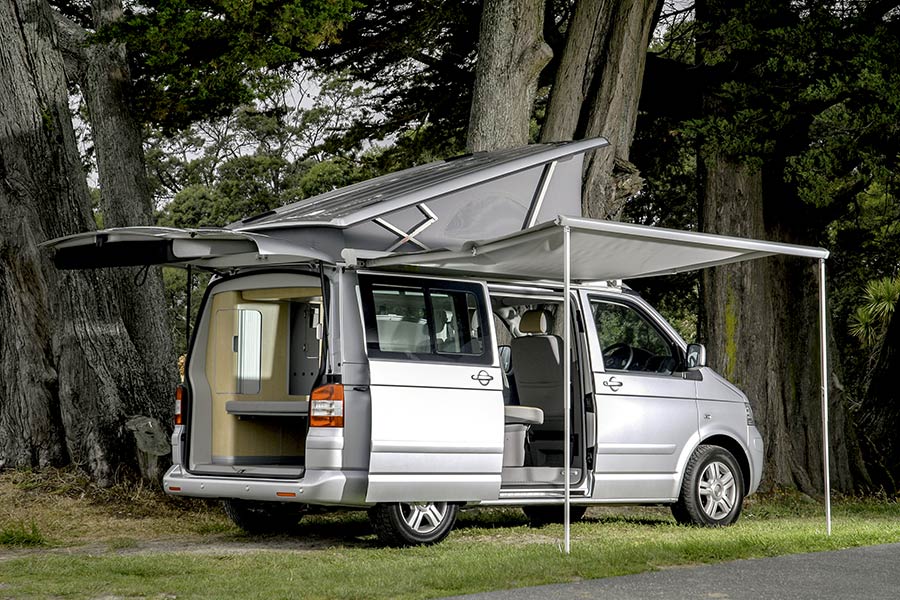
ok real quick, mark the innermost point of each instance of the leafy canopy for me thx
(196, 59)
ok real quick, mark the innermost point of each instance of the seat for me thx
(522, 415)
(538, 368)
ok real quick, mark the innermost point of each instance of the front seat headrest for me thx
(535, 321)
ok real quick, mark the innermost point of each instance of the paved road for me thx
(870, 573)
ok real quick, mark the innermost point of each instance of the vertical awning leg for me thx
(823, 356)
(567, 382)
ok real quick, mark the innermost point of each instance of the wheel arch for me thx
(737, 451)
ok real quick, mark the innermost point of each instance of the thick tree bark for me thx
(125, 200)
(596, 93)
(760, 323)
(760, 318)
(101, 73)
(511, 55)
(71, 373)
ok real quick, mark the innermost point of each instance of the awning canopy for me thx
(600, 251)
(576, 249)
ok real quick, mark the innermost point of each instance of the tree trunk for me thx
(511, 55)
(125, 201)
(596, 93)
(71, 374)
(760, 318)
(760, 323)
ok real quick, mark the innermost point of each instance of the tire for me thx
(540, 515)
(258, 518)
(712, 491)
(413, 524)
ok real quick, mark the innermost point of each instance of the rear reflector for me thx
(174, 488)
(286, 494)
(326, 406)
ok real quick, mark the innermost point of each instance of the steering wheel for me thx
(618, 356)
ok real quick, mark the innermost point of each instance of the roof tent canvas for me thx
(576, 249)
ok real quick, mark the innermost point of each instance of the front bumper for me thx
(757, 456)
(330, 487)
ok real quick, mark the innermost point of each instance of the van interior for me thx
(261, 347)
(530, 338)
(260, 342)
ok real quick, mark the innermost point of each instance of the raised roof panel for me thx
(374, 198)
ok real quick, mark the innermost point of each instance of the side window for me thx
(238, 357)
(629, 342)
(424, 320)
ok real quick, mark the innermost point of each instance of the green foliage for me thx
(18, 534)
(175, 283)
(195, 59)
(810, 86)
(869, 322)
(418, 60)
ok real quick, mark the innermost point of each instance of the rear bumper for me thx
(347, 488)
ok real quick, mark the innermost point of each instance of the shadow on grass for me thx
(351, 529)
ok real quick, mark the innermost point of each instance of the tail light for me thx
(180, 397)
(326, 406)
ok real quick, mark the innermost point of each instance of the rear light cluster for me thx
(180, 398)
(750, 419)
(326, 406)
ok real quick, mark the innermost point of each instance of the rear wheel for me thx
(264, 517)
(553, 513)
(413, 524)
(712, 492)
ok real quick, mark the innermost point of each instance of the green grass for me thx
(490, 549)
(18, 534)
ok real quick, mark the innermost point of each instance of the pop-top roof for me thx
(373, 198)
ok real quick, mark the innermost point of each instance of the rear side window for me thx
(420, 319)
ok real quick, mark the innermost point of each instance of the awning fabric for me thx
(576, 249)
(600, 251)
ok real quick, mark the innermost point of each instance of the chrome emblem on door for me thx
(482, 377)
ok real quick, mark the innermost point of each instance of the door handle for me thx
(482, 377)
(613, 384)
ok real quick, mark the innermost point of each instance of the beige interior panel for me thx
(288, 293)
(234, 437)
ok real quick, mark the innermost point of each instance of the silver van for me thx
(319, 378)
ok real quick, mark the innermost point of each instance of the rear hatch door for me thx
(213, 249)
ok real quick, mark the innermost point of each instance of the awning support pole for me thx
(823, 354)
(567, 378)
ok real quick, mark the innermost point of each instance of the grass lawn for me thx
(60, 537)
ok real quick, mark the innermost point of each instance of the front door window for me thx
(629, 342)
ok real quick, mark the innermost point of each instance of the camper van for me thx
(409, 345)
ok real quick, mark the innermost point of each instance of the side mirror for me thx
(696, 356)
(505, 358)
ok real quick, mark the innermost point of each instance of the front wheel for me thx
(712, 491)
(413, 524)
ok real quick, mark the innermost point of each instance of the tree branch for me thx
(534, 59)
(72, 41)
